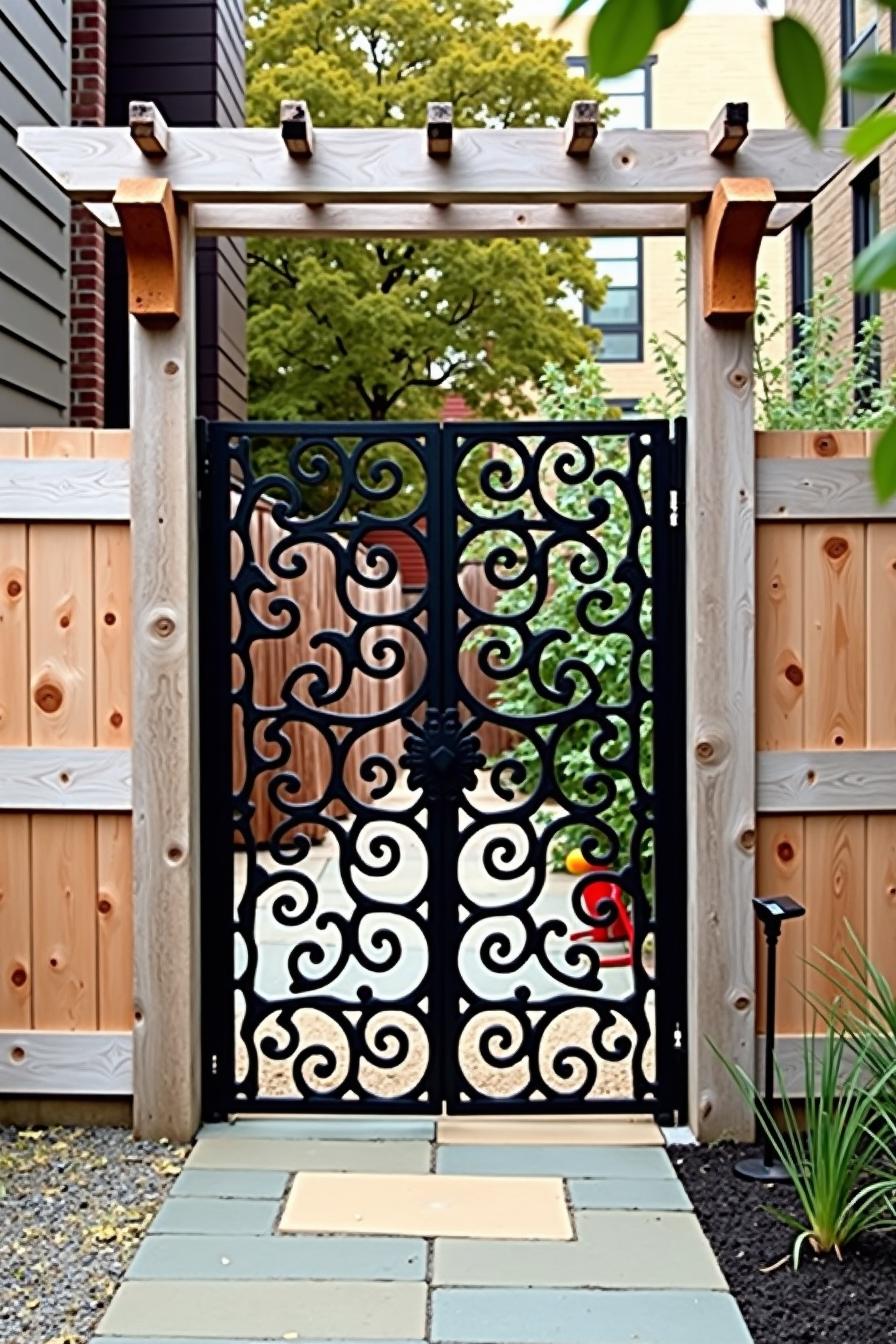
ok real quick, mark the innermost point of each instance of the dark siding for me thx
(34, 298)
(189, 59)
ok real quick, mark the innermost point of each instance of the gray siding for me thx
(34, 285)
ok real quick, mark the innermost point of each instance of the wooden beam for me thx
(581, 128)
(165, 709)
(790, 1056)
(812, 489)
(65, 779)
(439, 129)
(149, 130)
(720, 760)
(735, 223)
(145, 209)
(66, 1063)
(826, 781)
(380, 165)
(296, 128)
(64, 489)
(729, 130)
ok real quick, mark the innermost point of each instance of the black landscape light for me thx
(771, 911)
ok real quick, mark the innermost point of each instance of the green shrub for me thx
(864, 1010)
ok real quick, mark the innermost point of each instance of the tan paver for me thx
(518, 1208)
(586, 1130)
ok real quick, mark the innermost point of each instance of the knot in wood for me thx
(794, 674)
(163, 626)
(785, 851)
(738, 378)
(48, 697)
(836, 547)
(742, 1001)
(19, 977)
(116, 718)
(109, 618)
(174, 854)
(104, 905)
(825, 445)
(17, 1054)
(171, 366)
(748, 840)
(624, 159)
(705, 751)
(14, 588)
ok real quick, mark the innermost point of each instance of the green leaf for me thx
(875, 267)
(871, 74)
(883, 464)
(869, 134)
(622, 35)
(672, 10)
(801, 72)
(570, 8)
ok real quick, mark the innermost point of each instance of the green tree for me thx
(380, 329)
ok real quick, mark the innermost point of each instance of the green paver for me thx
(222, 1257)
(230, 1185)
(359, 1127)
(210, 1309)
(614, 1250)
(583, 1316)
(202, 1217)
(309, 1155)
(180, 1339)
(613, 1193)
(545, 1160)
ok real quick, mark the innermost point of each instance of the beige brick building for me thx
(862, 200)
(720, 52)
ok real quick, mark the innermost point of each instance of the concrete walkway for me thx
(485, 1232)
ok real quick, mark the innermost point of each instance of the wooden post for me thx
(720, 710)
(165, 750)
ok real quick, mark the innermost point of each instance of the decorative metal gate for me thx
(441, 667)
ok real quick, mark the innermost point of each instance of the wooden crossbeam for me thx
(296, 128)
(439, 129)
(148, 128)
(581, 128)
(735, 224)
(145, 208)
(729, 130)
(511, 166)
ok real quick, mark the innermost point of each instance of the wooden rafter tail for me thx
(149, 129)
(581, 128)
(439, 129)
(149, 226)
(735, 223)
(729, 130)
(296, 128)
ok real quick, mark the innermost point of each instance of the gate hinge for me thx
(673, 508)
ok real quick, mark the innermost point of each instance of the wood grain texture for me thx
(166, 804)
(780, 871)
(825, 781)
(14, 714)
(60, 443)
(86, 779)
(818, 488)
(720, 709)
(60, 593)
(780, 680)
(834, 589)
(66, 1063)
(112, 633)
(835, 891)
(880, 915)
(63, 877)
(735, 222)
(72, 490)
(790, 1054)
(15, 920)
(114, 922)
(513, 165)
(881, 626)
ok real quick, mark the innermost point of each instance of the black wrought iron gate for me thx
(442, 806)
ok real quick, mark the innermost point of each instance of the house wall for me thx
(34, 220)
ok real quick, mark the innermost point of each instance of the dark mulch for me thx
(825, 1302)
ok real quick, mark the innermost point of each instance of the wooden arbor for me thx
(723, 188)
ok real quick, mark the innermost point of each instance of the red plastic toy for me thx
(595, 895)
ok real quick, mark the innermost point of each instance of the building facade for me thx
(63, 318)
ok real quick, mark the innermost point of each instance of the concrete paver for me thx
(308, 1155)
(359, 1128)
(545, 1160)
(240, 1217)
(213, 1184)
(636, 1193)
(635, 1132)
(228, 1257)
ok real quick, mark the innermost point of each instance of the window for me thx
(801, 268)
(858, 37)
(630, 96)
(621, 315)
(865, 227)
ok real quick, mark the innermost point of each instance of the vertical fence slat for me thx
(63, 868)
(780, 676)
(835, 889)
(881, 552)
(881, 899)
(115, 934)
(834, 560)
(780, 871)
(15, 921)
(112, 633)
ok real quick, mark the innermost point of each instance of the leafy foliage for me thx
(864, 1010)
(378, 329)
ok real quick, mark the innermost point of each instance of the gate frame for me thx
(161, 188)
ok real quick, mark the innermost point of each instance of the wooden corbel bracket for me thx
(149, 226)
(735, 223)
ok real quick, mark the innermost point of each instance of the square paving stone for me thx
(582, 1316)
(223, 1257)
(247, 1310)
(240, 1217)
(613, 1250)
(543, 1160)
(308, 1155)
(428, 1206)
(346, 1127)
(230, 1185)
(618, 1193)
(566, 1131)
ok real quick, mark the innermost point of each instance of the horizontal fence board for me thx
(813, 489)
(61, 779)
(790, 1056)
(826, 781)
(66, 1063)
(64, 489)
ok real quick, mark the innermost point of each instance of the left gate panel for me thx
(317, 892)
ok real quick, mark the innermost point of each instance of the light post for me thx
(771, 911)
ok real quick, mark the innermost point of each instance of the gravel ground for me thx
(74, 1204)
(826, 1301)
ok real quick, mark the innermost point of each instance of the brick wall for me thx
(87, 245)
(832, 216)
